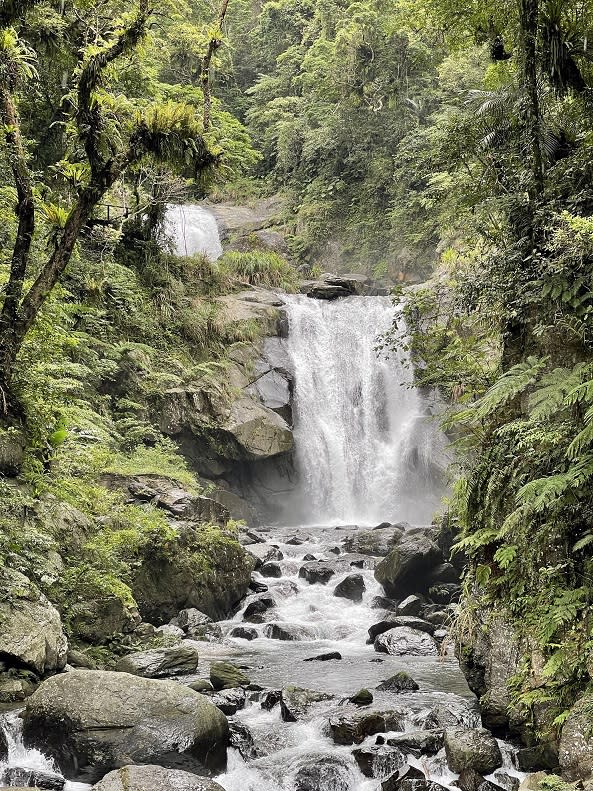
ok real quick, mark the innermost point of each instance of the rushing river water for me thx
(366, 453)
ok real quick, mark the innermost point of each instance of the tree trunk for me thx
(529, 28)
(213, 45)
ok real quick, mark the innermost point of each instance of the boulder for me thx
(470, 780)
(353, 728)
(263, 553)
(362, 698)
(406, 569)
(400, 682)
(197, 626)
(201, 685)
(403, 641)
(575, 752)
(3, 745)
(271, 699)
(225, 675)
(489, 658)
(532, 781)
(376, 543)
(32, 778)
(472, 748)
(159, 662)
(507, 781)
(229, 701)
(419, 742)
(16, 685)
(296, 701)
(257, 610)
(244, 633)
(352, 587)
(378, 761)
(90, 721)
(317, 572)
(324, 657)
(259, 432)
(205, 569)
(154, 778)
(383, 603)
(31, 635)
(286, 631)
(271, 569)
(241, 739)
(78, 658)
(444, 573)
(400, 620)
(323, 772)
(411, 605)
(407, 773)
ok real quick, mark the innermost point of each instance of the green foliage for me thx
(259, 268)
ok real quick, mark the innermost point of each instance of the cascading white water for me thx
(366, 449)
(193, 230)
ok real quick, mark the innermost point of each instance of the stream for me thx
(367, 452)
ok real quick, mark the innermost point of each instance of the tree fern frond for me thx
(511, 384)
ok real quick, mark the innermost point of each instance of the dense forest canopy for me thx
(414, 140)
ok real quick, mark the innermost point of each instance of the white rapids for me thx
(367, 449)
(193, 230)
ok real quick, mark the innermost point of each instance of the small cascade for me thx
(367, 449)
(26, 766)
(193, 230)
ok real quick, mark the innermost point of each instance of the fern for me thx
(509, 386)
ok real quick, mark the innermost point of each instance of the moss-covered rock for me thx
(92, 721)
(31, 633)
(204, 567)
(576, 741)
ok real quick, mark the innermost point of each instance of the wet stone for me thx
(400, 682)
(362, 698)
(296, 701)
(472, 748)
(22, 776)
(225, 675)
(229, 701)
(241, 739)
(271, 569)
(400, 620)
(354, 728)
(256, 611)
(352, 588)
(324, 773)
(411, 605)
(403, 641)
(378, 761)
(406, 772)
(383, 603)
(271, 699)
(318, 573)
(258, 587)
(506, 781)
(324, 657)
(418, 742)
(470, 780)
(244, 633)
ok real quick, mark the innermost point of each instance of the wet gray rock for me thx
(408, 565)
(225, 675)
(285, 631)
(257, 610)
(22, 776)
(229, 701)
(318, 573)
(296, 701)
(455, 713)
(353, 728)
(3, 746)
(407, 773)
(419, 742)
(378, 761)
(444, 573)
(506, 781)
(244, 633)
(352, 587)
(201, 685)
(91, 721)
(198, 625)
(324, 657)
(258, 587)
(376, 543)
(271, 569)
(403, 641)
(159, 662)
(469, 748)
(241, 739)
(154, 778)
(324, 772)
(400, 682)
(400, 620)
(271, 699)
(411, 605)
(383, 603)
(470, 780)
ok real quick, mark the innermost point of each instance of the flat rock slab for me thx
(154, 778)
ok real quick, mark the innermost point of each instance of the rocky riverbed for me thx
(319, 681)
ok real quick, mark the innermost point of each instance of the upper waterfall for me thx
(366, 449)
(193, 229)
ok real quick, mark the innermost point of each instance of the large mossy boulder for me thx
(31, 634)
(575, 753)
(407, 567)
(206, 569)
(154, 778)
(92, 721)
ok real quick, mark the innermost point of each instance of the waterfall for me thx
(367, 450)
(193, 229)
